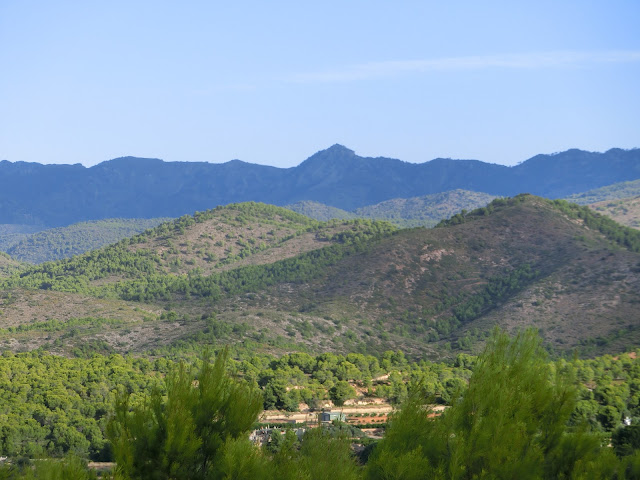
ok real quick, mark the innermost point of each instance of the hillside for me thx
(194, 247)
(22, 243)
(64, 242)
(424, 211)
(625, 211)
(319, 211)
(271, 280)
(8, 265)
(616, 191)
(10, 234)
(427, 210)
(150, 267)
(205, 243)
(59, 195)
(620, 201)
(526, 263)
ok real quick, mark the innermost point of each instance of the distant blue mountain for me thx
(129, 187)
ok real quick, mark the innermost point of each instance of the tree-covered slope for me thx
(196, 259)
(10, 234)
(427, 210)
(620, 201)
(319, 211)
(616, 191)
(424, 211)
(193, 247)
(65, 242)
(52, 405)
(8, 265)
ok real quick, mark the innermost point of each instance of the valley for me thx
(319, 241)
(350, 312)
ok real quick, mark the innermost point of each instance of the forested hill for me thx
(8, 265)
(260, 275)
(64, 242)
(207, 242)
(56, 195)
(616, 191)
(320, 211)
(425, 211)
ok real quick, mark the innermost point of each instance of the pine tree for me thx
(509, 423)
(192, 432)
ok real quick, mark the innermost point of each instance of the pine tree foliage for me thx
(510, 423)
(322, 454)
(192, 432)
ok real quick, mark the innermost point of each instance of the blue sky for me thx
(274, 82)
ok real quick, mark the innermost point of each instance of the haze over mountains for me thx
(57, 195)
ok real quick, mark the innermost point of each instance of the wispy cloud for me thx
(512, 61)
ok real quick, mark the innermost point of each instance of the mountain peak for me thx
(335, 153)
(337, 148)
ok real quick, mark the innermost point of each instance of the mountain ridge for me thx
(130, 187)
(335, 148)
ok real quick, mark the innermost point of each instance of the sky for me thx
(274, 82)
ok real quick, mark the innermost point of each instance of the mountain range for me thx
(128, 187)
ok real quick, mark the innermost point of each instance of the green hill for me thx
(10, 234)
(215, 241)
(271, 280)
(610, 192)
(180, 258)
(64, 242)
(8, 265)
(427, 210)
(320, 211)
(620, 201)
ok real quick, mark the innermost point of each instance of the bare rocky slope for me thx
(625, 211)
